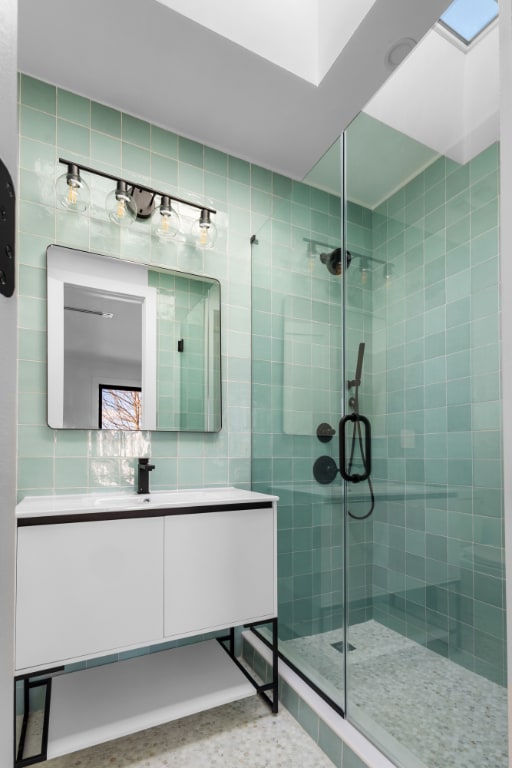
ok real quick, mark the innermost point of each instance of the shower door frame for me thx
(505, 198)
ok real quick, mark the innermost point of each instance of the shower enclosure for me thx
(377, 420)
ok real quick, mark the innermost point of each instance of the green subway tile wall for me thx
(55, 123)
(297, 385)
(296, 311)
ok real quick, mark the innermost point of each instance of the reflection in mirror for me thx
(130, 346)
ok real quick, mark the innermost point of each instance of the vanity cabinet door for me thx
(220, 570)
(85, 588)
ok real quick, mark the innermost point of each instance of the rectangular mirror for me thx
(131, 346)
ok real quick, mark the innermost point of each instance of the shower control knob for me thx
(325, 470)
(325, 432)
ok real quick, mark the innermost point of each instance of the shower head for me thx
(333, 261)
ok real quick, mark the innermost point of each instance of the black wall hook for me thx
(7, 231)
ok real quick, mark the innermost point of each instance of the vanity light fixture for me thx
(71, 190)
(130, 201)
(332, 258)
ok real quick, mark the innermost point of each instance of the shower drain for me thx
(339, 646)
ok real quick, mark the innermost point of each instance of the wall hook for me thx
(7, 231)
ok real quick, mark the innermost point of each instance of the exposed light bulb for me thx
(121, 208)
(71, 190)
(166, 222)
(120, 205)
(204, 230)
(364, 269)
(387, 273)
(72, 195)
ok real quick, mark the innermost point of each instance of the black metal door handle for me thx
(367, 457)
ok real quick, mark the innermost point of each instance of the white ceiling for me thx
(153, 62)
(303, 38)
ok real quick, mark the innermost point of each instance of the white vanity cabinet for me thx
(85, 588)
(219, 570)
(98, 575)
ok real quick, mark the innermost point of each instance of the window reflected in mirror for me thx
(120, 408)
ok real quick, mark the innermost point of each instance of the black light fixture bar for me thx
(312, 242)
(136, 185)
(374, 259)
(367, 258)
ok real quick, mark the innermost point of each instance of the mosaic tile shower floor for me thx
(448, 716)
(239, 735)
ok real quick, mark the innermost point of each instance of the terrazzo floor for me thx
(243, 734)
(447, 716)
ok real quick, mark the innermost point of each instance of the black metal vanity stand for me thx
(43, 679)
(272, 701)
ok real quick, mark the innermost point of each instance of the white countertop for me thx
(81, 503)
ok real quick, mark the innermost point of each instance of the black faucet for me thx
(144, 468)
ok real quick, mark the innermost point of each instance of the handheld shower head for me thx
(356, 383)
(359, 367)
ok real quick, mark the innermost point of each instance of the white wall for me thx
(459, 119)
(506, 307)
(336, 24)
(9, 155)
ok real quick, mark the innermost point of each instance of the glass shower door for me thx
(296, 407)
(424, 535)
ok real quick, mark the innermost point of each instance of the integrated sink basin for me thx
(82, 503)
(159, 498)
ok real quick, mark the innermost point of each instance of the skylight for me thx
(467, 18)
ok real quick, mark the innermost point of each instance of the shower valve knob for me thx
(325, 432)
(325, 470)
